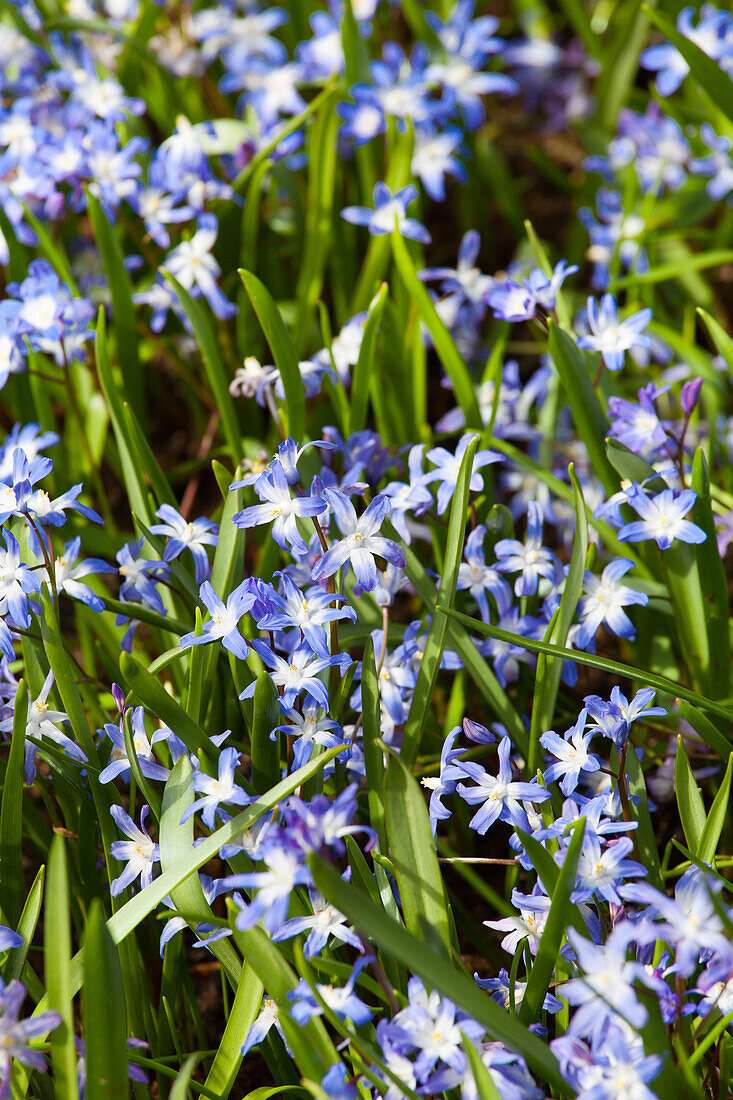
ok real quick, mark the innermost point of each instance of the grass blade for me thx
(11, 814)
(689, 798)
(430, 663)
(373, 753)
(574, 371)
(716, 818)
(435, 971)
(443, 342)
(551, 939)
(123, 309)
(417, 871)
(215, 369)
(282, 350)
(548, 680)
(265, 752)
(364, 375)
(57, 954)
(103, 1013)
(661, 683)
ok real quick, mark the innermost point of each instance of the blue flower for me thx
(361, 540)
(662, 519)
(68, 574)
(571, 753)
(281, 509)
(195, 268)
(448, 466)
(612, 337)
(139, 850)
(389, 213)
(16, 1035)
(342, 1000)
(224, 621)
(16, 581)
(603, 602)
(499, 797)
(530, 559)
(183, 535)
(223, 789)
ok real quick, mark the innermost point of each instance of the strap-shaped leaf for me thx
(123, 309)
(590, 421)
(422, 891)
(265, 752)
(558, 918)
(282, 350)
(704, 69)
(661, 683)
(443, 342)
(373, 753)
(364, 376)
(438, 633)
(103, 1012)
(716, 818)
(11, 814)
(57, 959)
(215, 369)
(435, 971)
(689, 798)
(548, 678)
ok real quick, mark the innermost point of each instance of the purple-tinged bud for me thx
(119, 697)
(476, 732)
(690, 394)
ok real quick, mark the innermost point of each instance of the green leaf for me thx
(689, 798)
(716, 819)
(153, 695)
(710, 734)
(435, 971)
(443, 342)
(55, 255)
(706, 72)
(103, 1013)
(713, 583)
(11, 814)
(430, 664)
(228, 566)
(416, 868)
(176, 841)
(244, 1012)
(548, 679)
(721, 339)
(57, 958)
(661, 683)
(179, 1089)
(282, 350)
(265, 752)
(643, 836)
(588, 416)
(133, 912)
(215, 369)
(549, 874)
(123, 309)
(373, 753)
(311, 1046)
(664, 272)
(322, 162)
(365, 374)
(26, 928)
(131, 474)
(558, 918)
(485, 1086)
